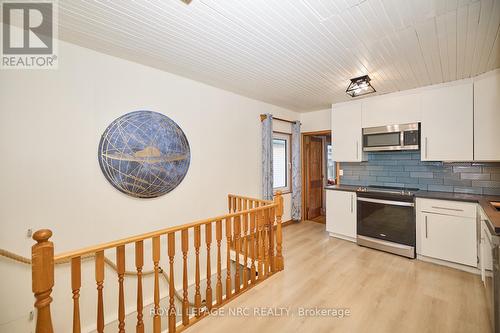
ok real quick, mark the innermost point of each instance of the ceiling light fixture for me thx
(360, 86)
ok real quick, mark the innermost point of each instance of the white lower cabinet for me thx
(446, 230)
(485, 255)
(341, 214)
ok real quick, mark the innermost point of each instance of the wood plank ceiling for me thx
(298, 54)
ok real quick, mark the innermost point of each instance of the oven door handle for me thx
(388, 202)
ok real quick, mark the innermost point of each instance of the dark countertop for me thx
(454, 196)
(482, 200)
(347, 188)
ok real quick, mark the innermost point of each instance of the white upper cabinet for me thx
(391, 110)
(447, 118)
(487, 117)
(459, 121)
(346, 132)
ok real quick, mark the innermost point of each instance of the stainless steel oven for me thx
(386, 220)
(392, 137)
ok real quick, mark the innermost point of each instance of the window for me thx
(281, 162)
(330, 166)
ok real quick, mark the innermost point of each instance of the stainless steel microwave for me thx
(392, 137)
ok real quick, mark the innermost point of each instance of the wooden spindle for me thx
(229, 203)
(197, 294)
(260, 244)
(99, 279)
(208, 241)
(252, 247)
(266, 242)
(218, 287)
(42, 269)
(271, 240)
(156, 268)
(237, 246)
(228, 257)
(185, 302)
(120, 269)
(245, 246)
(139, 263)
(76, 283)
(279, 237)
(171, 309)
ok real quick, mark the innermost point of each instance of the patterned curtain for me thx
(267, 158)
(296, 173)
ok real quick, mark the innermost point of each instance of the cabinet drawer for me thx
(446, 207)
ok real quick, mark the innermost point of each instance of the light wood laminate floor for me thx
(384, 292)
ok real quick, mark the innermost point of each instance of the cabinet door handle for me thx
(426, 227)
(425, 147)
(454, 209)
(352, 203)
(357, 146)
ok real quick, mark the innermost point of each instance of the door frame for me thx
(304, 166)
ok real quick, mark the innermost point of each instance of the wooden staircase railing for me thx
(252, 225)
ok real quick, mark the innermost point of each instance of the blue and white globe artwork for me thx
(144, 154)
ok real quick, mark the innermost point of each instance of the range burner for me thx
(388, 189)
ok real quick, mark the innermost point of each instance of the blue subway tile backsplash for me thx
(404, 169)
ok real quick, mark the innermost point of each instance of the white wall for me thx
(50, 126)
(316, 120)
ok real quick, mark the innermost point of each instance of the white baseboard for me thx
(461, 267)
(340, 236)
(465, 268)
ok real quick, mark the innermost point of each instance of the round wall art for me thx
(144, 154)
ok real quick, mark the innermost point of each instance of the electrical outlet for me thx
(29, 233)
(341, 172)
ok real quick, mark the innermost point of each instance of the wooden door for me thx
(315, 178)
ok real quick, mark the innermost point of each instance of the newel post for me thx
(42, 269)
(279, 237)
